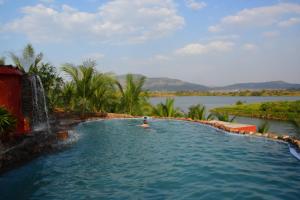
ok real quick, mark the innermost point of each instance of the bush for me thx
(7, 122)
(263, 127)
(239, 102)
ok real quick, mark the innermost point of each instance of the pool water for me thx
(116, 159)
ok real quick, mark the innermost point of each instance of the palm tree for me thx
(105, 97)
(132, 95)
(82, 77)
(167, 109)
(89, 90)
(263, 127)
(67, 96)
(224, 117)
(199, 112)
(29, 61)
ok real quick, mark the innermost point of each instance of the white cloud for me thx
(270, 34)
(195, 5)
(198, 48)
(250, 47)
(119, 21)
(290, 22)
(257, 17)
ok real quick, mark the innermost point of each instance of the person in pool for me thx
(145, 123)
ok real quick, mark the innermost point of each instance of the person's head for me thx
(145, 120)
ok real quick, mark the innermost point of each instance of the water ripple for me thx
(172, 160)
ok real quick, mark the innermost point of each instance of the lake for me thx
(280, 127)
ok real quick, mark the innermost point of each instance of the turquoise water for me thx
(116, 159)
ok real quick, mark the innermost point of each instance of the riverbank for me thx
(241, 93)
(282, 110)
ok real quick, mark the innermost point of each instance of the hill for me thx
(271, 85)
(175, 85)
(167, 84)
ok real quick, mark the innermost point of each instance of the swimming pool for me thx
(115, 159)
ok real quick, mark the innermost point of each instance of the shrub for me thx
(263, 127)
(239, 102)
(199, 112)
(7, 121)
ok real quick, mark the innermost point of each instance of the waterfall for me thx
(40, 119)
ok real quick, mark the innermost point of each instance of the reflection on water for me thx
(280, 127)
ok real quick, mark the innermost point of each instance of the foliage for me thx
(283, 92)
(280, 110)
(29, 61)
(52, 82)
(7, 121)
(89, 90)
(263, 127)
(224, 117)
(198, 112)
(239, 102)
(167, 109)
(32, 64)
(133, 98)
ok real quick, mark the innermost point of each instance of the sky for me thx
(210, 42)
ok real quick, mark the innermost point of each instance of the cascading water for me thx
(40, 119)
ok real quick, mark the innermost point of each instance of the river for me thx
(280, 127)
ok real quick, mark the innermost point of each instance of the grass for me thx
(281, 110)
(219, 93)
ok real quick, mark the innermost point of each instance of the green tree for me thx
(105, 97)
(29, 61)
(67, 96)
(133, 98)
(52, 82)
(82, 77)
(32, 64)
(198, 112)
(88, 90)
(167, 109)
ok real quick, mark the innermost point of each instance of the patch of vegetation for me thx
(224, 117)
(263, 127)
(198, 112)
(281, 110)
(283, 92)
(7, 122)
(167, 109)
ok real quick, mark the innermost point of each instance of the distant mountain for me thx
(167, 84)
(260, 86)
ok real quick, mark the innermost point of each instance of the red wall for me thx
(11, 93)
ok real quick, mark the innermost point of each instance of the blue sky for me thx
(209, 42)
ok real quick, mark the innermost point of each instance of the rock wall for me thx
(27, 97)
